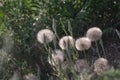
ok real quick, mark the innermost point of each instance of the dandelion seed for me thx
(30, 76)
(57, 57)
(81, 66)
(101, 65)
(83, 43)
(94, 33)
(45, 36)
(66, 42)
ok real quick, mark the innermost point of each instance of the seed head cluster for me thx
(101, 65)
(94, 33)
(45, 36)
(81, 65)
(66, 42)
(57, 57)
(83, 43)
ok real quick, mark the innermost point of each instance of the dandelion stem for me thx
(101, 43)
(69, 56)
(38, 71)
(85, 54)
(97, 49)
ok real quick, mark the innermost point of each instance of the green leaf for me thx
(1, 14)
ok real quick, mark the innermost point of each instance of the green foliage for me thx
(111, 75)
(26, 17)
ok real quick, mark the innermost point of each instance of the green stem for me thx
(97, 49)
(85, 54)
(101, 43)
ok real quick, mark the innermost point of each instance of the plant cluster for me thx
(65, 59)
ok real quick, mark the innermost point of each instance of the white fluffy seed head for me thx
(101, 65)
(45, 36)
(66, 42)
(94, 33)
(83, 43)
(81, 65)
(57, 57)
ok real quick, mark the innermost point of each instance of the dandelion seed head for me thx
(57, 57)
(83, 43)
(66, 42)
(101, 65)
(45, 35)
(81, 66)
(94, 33)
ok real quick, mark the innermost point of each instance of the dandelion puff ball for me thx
(57, 57)
(45, 35)
(101, 65)
(94, 33)
(66, 42)
(83, 43)
(81, 65)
